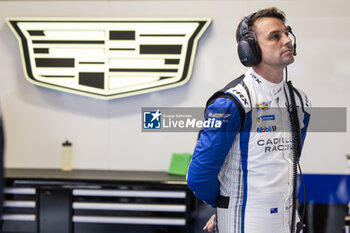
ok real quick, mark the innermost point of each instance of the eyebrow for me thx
(274, 32)
(277, 31)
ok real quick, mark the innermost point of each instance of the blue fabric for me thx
(325, 189)
(211, 150)
(303, 130)
(244, 144)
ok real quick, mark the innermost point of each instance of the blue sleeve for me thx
(213, 145)
(304, 129)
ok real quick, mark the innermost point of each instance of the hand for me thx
(209, 226)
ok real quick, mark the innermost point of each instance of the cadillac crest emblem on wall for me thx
(108, 58)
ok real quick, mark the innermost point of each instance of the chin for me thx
(289, 61)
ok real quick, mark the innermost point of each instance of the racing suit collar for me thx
(274, 89)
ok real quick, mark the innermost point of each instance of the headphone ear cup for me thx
(249, 51)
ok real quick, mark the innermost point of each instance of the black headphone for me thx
(248, 48)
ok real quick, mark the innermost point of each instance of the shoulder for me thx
(236, 91)
(230, 102)
(303, 98)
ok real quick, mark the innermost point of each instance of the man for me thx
(244, 168)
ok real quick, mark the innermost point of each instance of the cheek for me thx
(269, 50)
(265, 50)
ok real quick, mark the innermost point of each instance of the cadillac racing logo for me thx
(108, 58)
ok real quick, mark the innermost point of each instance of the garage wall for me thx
(107, 134)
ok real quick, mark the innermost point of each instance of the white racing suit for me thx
(244, 167)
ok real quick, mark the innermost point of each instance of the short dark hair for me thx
(271, 12)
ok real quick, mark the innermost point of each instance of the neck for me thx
(269, 73)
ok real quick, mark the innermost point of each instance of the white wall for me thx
(107, 134)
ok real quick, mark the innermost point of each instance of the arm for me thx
(211, 150)
(306, 111)
(304, 129)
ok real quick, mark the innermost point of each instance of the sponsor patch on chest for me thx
(263, 105)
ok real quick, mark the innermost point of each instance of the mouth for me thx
(286, 51)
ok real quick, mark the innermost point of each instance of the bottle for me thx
(66, 163)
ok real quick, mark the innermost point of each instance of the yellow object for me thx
(66, 162)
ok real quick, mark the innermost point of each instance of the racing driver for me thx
(244, 168)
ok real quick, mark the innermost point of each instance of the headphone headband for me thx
(244, 29)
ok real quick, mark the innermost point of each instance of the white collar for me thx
(275, 89)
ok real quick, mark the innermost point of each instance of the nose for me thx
(286, 40)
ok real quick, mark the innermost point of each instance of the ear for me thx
(249, 51)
